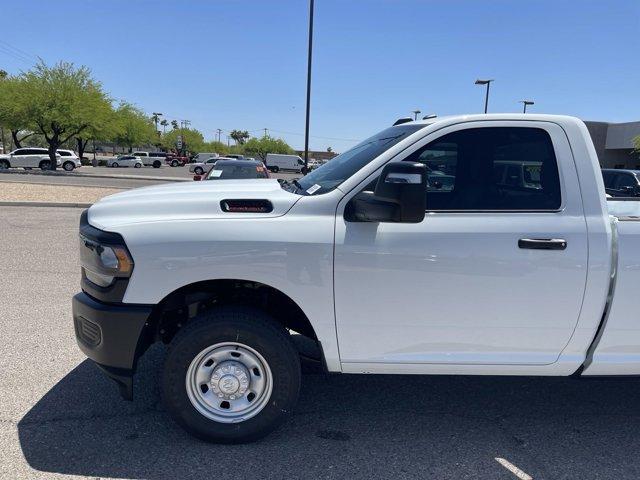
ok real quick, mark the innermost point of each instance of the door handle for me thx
(543, 243)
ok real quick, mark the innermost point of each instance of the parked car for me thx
(69, 159)
(151, 159)
(621, 183)
(203, 157)
(27, 158)
(200, 168)
(276, 162)
(231, 169)
(379, 271)
(125, 161)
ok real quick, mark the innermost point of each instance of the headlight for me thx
(103, 263)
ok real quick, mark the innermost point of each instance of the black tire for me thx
(198, 171)
(115, 165)
(174, 163)
(275, 169)
(68, 166)
(4, 165)
(246, 326)
(137, 165)
(45, 165)
(156, 164)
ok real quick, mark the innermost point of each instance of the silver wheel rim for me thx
(68, 166)
(229, 382)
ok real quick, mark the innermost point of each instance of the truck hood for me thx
(187, 201)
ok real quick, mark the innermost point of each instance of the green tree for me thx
(59, 102)
(131, 127)
(239, 136)
(12, 116)
(192, 140)
(174, 124)
(215, 147)
(261, 146)
(164, 124)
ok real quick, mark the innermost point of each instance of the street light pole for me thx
(415, 114)
(309, 54)
(525, 103)
(486, 97)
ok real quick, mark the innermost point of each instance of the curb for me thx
(78, 174)
(44, 204)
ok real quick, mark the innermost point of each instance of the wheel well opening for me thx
(180, 306)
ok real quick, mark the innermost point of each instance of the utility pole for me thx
(486, 98)
(265, 132)
(228, 141)
(219, 130)
(309, 56)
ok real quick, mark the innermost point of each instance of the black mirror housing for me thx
(399, 197)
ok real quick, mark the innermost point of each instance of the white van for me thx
(276, 162)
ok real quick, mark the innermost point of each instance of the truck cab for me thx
(476, 245)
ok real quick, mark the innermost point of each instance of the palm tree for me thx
(240, 136)
(174, 124)
(164, 124)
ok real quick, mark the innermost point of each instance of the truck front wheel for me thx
(232, 375)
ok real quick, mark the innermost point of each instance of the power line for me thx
(9, 53)
(19, 51)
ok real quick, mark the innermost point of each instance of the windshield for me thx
(334, 172)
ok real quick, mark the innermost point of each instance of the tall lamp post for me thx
(310, 50)
(486, 97)
(525, 103)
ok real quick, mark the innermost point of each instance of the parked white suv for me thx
(29, 157)
(70, 160)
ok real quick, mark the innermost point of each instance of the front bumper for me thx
(113, 336)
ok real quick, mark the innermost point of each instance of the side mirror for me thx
(399, 196)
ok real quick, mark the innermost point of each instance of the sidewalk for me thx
(53, 194)
(95, 175)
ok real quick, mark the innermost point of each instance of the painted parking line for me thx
(513, 469)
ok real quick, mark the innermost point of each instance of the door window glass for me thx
(493, 168)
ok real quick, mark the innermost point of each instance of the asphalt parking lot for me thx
(60, 416)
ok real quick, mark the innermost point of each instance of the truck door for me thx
(495, 273)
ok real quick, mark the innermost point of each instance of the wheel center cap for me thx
(230, 380)
(228, 384)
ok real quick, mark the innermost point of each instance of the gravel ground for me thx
(61, 418)
(52, 193)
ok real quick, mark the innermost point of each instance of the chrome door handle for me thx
(543, 243)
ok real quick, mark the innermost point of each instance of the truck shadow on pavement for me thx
(349, 426)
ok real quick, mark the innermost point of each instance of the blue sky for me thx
(242, 64)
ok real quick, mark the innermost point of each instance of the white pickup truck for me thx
(475, 245)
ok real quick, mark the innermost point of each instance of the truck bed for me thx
(616, 349)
